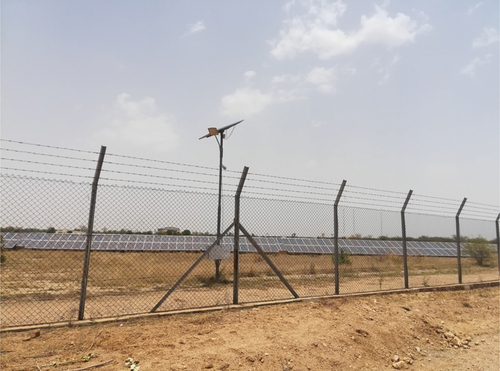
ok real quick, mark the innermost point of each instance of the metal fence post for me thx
(236, 269)
(336, 235)
(459, 250)
(403, 227)
(90, 227)
(498, 241)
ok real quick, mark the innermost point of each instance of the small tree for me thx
(344, 257)
(479, 250)
(2, 250)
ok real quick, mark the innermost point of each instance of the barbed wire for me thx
(438, 198)
(152, 183)
(284, 198)
(44, 172)
(411, 205)
(475, 216)
(41, 178)
(161, 161)
(349, 200)
(478, 203)
(47, 164)
(111, 171)
(266, 196)
(456, 206)
(460, 201)
(367, 199)
(48, 155)
(157, 168)
(295, 179)
(373, 194)
(94, 161)
(465, 216)
(375, 189)
(47, 146)
(457, 202)
(417, 199)
(287, 184)
(226, 177)
(377, 196)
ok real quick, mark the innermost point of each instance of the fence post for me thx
(336, 235)
(403, 227)
(498, 241)
(90, 228)
(236, 253)
(459, 251)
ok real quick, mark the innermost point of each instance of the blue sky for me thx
(393, 95)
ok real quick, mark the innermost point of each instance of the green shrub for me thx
(344, 257)
(2, 250)
(479, 250)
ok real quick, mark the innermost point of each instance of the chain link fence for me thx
(40, 285)
(153, 245)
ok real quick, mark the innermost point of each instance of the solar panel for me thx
(298, 245)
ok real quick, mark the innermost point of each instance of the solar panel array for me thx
(297, 245)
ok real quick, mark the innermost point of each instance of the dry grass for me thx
(133, 282)
(53, 273)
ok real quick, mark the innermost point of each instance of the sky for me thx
(393, 95)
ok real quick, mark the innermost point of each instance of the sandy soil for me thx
(453, 330)
(26, 310)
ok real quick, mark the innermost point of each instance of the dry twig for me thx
(93, 341)
(92, 366)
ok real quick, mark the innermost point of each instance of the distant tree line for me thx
(27, 230)
(185, 232)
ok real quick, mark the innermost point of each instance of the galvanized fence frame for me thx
(238, 227)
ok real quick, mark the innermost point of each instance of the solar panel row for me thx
(130, 242)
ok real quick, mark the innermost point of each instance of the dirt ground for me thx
(452, 330)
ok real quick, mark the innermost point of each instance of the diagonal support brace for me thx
(172, 289)
(268, 261)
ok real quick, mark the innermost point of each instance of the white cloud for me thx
(488, 36)
(349, 70)
(249, 75)
(138, 125)
(386, 70)
(475, 7)
(393, 32)
(284, 95)
(316, 123)
(245, 102)
(470, 69)
(323, 78)
(286, 79)
(195, 27)
(314, 31)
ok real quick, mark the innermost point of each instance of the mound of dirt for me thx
(453, 330)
